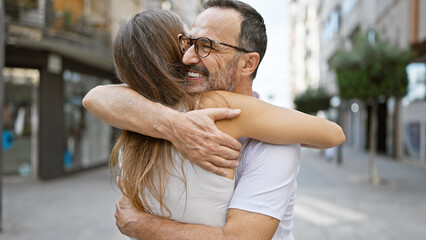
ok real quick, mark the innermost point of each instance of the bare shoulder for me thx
(218, 99)
(214, 99)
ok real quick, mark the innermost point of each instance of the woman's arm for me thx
(194, 134)
(273, 124)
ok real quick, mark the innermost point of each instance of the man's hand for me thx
(194, 133)
(127, 217)
(196, 136)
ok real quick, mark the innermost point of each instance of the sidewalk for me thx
(338, 202)
(333, 203)
(76, 207)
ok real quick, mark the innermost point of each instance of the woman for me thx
(153, 175)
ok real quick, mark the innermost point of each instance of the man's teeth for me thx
(194, 75)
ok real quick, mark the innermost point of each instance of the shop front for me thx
(47, 133)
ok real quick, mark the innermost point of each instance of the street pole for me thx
(342, 108)
(2, 54)
(338, 104)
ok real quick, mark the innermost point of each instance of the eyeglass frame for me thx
(194, 41)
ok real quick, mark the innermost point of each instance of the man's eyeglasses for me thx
(203, 46)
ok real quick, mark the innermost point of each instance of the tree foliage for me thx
(312, 100)
(369, 71)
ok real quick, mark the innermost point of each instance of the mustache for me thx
(196, 68)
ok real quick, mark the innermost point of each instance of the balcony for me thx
(68, 28)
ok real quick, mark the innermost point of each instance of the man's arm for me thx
(265, 193)
(239, 225)
(194, 134)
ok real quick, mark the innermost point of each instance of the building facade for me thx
(402, 23)
(56, 51)
(305, 46)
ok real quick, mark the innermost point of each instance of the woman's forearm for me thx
(287, 126)
(277, 125)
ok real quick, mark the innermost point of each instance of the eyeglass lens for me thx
(203, 46)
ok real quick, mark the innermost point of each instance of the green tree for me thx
(370, 70)
(312, 100)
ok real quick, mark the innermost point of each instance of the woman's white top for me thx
(205, 199)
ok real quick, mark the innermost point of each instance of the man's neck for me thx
(248, 92)
(244, 87)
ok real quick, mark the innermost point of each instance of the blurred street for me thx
(76, 207)
(359, 63)
(337, 202)
(333, 202)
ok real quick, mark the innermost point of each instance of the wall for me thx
(414, 125)
(393, 24)
(422, 20)
(2, 55)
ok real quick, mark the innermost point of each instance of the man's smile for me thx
(196, 78)
(195, 75)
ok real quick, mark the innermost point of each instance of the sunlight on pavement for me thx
(324, 213)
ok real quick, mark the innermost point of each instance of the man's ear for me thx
(249, 63)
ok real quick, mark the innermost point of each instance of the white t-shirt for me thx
(206, 200)
(266, 182)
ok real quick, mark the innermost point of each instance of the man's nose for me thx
(190, 57)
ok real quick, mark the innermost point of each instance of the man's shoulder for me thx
(256, 153)
(253, 145)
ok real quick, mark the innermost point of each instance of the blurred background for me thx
(360, 63)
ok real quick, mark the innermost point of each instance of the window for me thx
(347, 6)
(416, 82)
(20, 133)
(331, 26)
(88, 138)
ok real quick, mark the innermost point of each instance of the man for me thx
(262, 204)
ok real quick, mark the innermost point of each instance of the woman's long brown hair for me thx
(148, 59)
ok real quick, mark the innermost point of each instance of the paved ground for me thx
(334, 202)
(337, 202)
(77, 207)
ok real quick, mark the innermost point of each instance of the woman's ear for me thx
(179, 35)
(250, 63)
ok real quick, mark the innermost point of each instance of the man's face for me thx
(217, 71)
